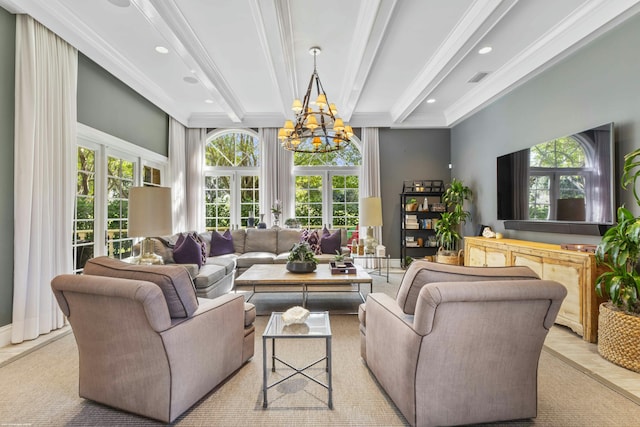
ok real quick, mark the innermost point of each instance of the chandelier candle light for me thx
(314, 131)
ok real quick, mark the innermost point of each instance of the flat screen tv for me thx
(564, 185)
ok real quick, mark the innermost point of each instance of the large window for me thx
(327, 188)
(106, 169)
(232, 168)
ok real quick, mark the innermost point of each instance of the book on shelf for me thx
(411, 226)
(411, 244)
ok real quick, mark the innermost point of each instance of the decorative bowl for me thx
(301, 267)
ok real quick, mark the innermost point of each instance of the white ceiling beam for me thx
(167, 18)
(586, 23)
(275, 31)
(477, 21)
(369, 32)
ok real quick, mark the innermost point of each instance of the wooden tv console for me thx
(577, 271)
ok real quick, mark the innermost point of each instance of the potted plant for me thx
(619, 249)
(301, 259)
(292, 223)
(448, 226)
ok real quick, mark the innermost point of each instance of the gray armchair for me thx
(134, 354)
(460, 345)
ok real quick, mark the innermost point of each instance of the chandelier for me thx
(314, 131)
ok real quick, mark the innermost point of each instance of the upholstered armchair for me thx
(146, 344)
(460, 345)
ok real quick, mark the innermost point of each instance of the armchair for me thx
(134, 356)
(460, 345)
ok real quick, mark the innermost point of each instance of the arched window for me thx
(327, 187)
(558, 171)
(231, 184)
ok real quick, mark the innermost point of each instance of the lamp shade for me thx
(371, 211)
(150, 211)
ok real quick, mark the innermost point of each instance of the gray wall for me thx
(406, 155)
(7, 84)
(598, 84)
(107, 104)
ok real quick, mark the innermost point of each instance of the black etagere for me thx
(420, 207)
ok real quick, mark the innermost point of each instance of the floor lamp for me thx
(370, 216)
(150, 215)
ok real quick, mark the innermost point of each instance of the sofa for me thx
(460, 345)
(146, 343)
(244, 248)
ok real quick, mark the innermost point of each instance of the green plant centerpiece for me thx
(618, 251)
(448, 226)
(301, 259)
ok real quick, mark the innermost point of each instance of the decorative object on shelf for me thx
(412, 205)
(381, 251)
(295, 315)
(318, 131)
(447, 227)
(301, 259)
(262, 224)
(488, 233)
(619, 250)
(150, 215)
(276, 210)
(370, 216)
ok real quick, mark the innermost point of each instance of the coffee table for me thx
(276, 278)
(316, 326)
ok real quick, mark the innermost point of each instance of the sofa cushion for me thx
(286, 240)
(330, 243)
(208, 275)
(261, 240)
(221, 244)
(228, 261)
(249, 258)
(187, 250)
(173, 280)
(313, 239)
(238, 236)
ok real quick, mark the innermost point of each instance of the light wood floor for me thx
(561, 341)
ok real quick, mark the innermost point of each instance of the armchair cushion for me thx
(173, 280)
(421, 273)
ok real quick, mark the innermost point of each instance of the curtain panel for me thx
(370, 172)
(45, 165)
(177, 173)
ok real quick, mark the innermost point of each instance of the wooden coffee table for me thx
(276, 278)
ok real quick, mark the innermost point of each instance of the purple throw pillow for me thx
(330, 243)
(313, 239)
(221, 244)
(203, 246)
(187, 250)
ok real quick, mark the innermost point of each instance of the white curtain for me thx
(177, 173)
(196, 139)
(45, 140)
(275, 176)
(370, 172)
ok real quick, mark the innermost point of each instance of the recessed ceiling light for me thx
(162, 49)
(120, 3)
(485, 50)
(431, 100)
(208, 101)
(190, 79)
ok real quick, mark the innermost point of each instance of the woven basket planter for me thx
(449, 257)
(619, 337)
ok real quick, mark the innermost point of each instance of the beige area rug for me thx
(41, 389)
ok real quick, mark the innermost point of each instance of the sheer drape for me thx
(275, 176)
(370, 171)
(45, 138)
(195, 179)
(177, 173)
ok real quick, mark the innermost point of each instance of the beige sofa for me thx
(460, 345)
(251, 246)
(146, 343)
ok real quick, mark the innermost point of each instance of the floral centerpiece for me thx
(301, 259)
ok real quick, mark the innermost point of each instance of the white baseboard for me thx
(5, 335)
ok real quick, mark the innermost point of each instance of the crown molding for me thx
(11, 6)
(477, 21)
(592, 19)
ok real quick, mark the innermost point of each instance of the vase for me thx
(301, 267)
(251, 221)
(276, 221)
(618, 337)
(262, 224)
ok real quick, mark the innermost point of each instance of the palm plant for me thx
(448, 226)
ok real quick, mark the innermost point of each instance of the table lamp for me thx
(150, 215)
(370, 216)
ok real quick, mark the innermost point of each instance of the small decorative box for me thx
(343, 268)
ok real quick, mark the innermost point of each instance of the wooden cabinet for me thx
(577, 271)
